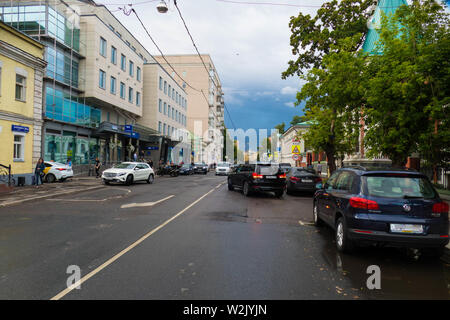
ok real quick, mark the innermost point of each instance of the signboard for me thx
(128, 128)
(152, 148)
(295, 157)
(296, 149)
(135, 135)
(17, 128)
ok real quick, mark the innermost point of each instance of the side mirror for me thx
(136, 169)
(319, 185)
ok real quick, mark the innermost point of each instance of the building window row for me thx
(172, 93)
(112, 88)
(171, 112)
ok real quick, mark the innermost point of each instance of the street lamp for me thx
(162, 7)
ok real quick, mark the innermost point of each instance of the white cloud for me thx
(290, 104)
(288, 90)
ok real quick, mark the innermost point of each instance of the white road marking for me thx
(144, 204)
(305, 223)
(92, 200)
(124, 251)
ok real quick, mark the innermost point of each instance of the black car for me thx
(201, 168)
(285, 167)
(302, 180)
(395, 207)
(187, 169)
(258, 177)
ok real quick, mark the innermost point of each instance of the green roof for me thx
(388, 7)
(306, 123)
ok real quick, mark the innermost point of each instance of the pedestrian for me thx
(150, 163)
(98, 164)
(319, 168)
(69, 163)
(39, 171)
(135, 157)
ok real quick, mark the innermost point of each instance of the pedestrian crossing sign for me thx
(296, 149)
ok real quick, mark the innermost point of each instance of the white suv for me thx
(223, 168)
(129, 172)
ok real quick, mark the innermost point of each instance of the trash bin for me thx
(20, 181)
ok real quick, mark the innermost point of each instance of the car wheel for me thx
(343, 244)
(50, 178)
(129, 180)
(230, 185)
(150, 179)
(106, 182)
(279, 194)
(317, 221)
(246, 189)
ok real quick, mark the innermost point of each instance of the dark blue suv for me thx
(396, 207)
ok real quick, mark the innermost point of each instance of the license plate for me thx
(306, 180)
(271, 177)
(406, 228)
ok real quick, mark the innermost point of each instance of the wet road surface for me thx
(221, 245)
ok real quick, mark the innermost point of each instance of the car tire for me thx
(289, 192)
(50, 178)
(343, 243)
(230, 185)
(246, 189)
(279, 194)
(106, 182)
(129, 180)
(317, 221)
(150, 178)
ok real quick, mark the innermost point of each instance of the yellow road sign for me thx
(296, 149)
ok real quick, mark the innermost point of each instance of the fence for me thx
(5, 175)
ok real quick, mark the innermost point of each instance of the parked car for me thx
(258, 177)
(55, 171)
(301, 179)
(129, 172)
(396, 207)
(285, 167)
(201, 168)
(187, 169)
(223, 168)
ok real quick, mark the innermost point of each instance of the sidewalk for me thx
(28, 193)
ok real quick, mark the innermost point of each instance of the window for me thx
(113, 85)
(159, 126)
(102, 47)
(164, 129)
(108, 116)
(19, 142)
(345, 181)
(160, 105)
(168, 130)
(168, 111)
(160, 83)
(123, 62)
(130, 95)
(102, 79)
(131, 71)
(138, 98)
(170, 90)
(113, 55)
(122, 90)
(173, 113)
(165, 108)
(173, 94)
(20, 87)
(138, 74)
(165, 86)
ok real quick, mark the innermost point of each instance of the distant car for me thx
(285, 167)
(300, 179)
(55, 171)
(186, 169)
(223, 168)
(386, 206)
(258, 177)
(201, 168)
(129, 172)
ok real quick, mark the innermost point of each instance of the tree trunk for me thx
(331, 161)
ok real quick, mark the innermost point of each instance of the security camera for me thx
(162, 7)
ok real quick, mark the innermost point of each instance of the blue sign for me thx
(152, 148)
(135, 135)
(17, 128)
(128, 128)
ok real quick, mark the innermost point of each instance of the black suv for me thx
(258, 177)
(389, 206)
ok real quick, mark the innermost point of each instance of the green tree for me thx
(408, 85)
(334, 95)
(297, 119)
(280, 127)
(314, 37)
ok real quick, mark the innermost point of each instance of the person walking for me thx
(39, 171)
(69, 163)
(97, 166)
(319, 169)
(150, 163)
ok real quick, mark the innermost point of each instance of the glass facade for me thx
(61, 146)
(63, 107)
(62, 67)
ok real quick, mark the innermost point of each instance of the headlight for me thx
(121, 174)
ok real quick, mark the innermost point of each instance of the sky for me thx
(248, 43)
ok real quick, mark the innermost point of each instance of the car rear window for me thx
(399, 187)
(304, 172)
(267, 169)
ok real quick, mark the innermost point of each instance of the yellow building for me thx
(21, 72)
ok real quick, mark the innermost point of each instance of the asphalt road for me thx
(204, 242)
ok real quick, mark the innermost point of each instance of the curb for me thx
(9, 203)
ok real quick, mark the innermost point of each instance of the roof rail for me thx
(355, 167)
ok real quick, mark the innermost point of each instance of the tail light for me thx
(282, 176)
(257, 176)
(362, 203)
(440, 207)
(294, 179)
(60, 169)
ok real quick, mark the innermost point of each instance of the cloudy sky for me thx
(249, 44)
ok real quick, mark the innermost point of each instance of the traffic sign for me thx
(296, 149)
(296, 157)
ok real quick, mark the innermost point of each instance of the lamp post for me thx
(162, 7)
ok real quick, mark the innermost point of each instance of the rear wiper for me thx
(411, 197)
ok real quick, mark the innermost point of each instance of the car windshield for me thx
(223, 165)
(124, 166)
(399, 187)
(200, 164)
(186, 166)
(267, 169)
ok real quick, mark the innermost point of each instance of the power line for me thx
(272, 4)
